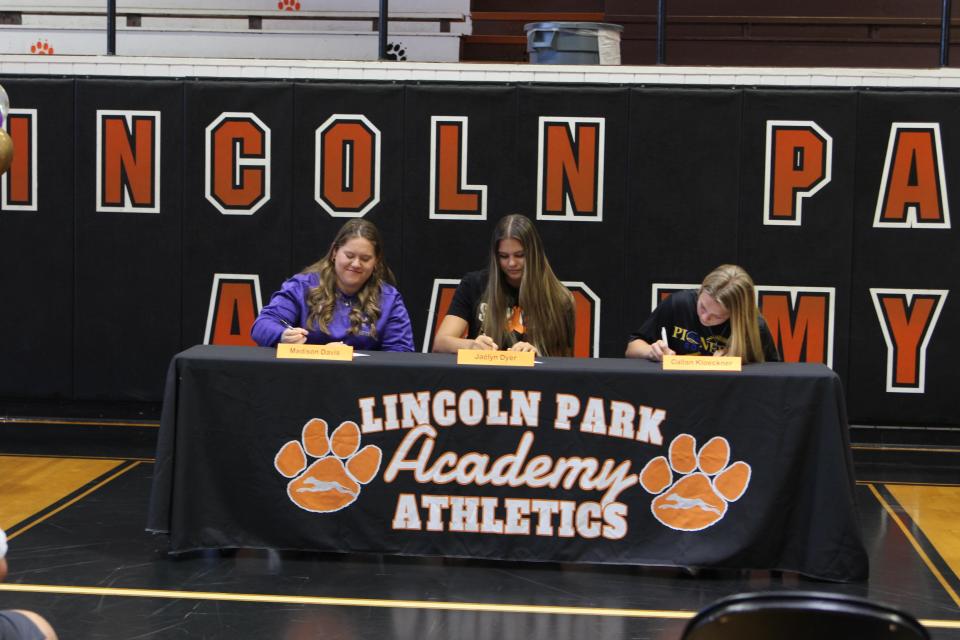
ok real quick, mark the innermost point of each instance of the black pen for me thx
(285, 323)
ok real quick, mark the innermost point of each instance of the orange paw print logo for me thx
(288, 5)
(42, 47)
(332, 481)
(707, 483)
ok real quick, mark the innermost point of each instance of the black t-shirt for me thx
(685, 335)
(468, 304)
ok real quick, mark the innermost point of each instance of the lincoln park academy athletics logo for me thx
(327, 471)
(707, 483)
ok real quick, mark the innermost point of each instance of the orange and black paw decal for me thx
(41, 47)
(339, 466)
(288, 5)
(707, 483)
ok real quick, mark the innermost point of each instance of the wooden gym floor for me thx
(73, 500)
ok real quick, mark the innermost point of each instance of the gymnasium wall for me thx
(143, 216)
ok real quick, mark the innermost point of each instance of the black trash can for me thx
(573, 42)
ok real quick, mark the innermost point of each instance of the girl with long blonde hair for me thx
(720, 318)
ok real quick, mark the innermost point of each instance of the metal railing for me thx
(112, 28)
(382, 28)
(945, 34)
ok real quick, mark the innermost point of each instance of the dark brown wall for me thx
(901, 33)
(498, 33)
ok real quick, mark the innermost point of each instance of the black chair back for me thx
(801, 615)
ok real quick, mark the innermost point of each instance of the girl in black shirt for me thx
(720, 318)
(515, 304)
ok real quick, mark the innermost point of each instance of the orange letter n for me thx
(129, 157)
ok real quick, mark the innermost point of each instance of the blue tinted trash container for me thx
(573, 42)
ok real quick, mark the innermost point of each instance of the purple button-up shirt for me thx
(394, 332)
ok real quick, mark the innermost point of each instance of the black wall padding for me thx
(238, 242)
(37, 255)
(128, 264)
(445, 247)
(683, 191)
(97, 302)
(313, 228)
(902, 259)
(815, 253)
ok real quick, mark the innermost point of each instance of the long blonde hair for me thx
(322, 299)
(547, 305)
(732, 287)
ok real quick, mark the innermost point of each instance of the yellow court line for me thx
(65, 457)
(916, 546)
(908, 484)
(377, 603)
(79, 423)
(940, 624)
(861, 447)
(73, 501)
(346, 602)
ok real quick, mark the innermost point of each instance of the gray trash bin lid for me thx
(593, 26)
(573, 42)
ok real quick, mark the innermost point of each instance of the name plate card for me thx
(496, 358)
(701, 363)
(315, 351)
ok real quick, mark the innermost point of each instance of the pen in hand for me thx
(292, 334)
(663, 335)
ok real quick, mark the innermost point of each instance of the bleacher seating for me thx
(418, 30)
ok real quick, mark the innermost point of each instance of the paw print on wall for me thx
(395, 51)
(327, 484)
(707, 483)
(288, 5)
(42, 47)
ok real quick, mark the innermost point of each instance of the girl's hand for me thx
(484, 343)
(659, 349)
(294, 335)
(524, 346)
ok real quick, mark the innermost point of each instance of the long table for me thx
(576, 460)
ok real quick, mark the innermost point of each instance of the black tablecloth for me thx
(563, 461)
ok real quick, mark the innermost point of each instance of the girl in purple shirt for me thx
(344, 297)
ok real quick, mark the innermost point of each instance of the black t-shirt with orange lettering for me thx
(686, 335)
(468, 304)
